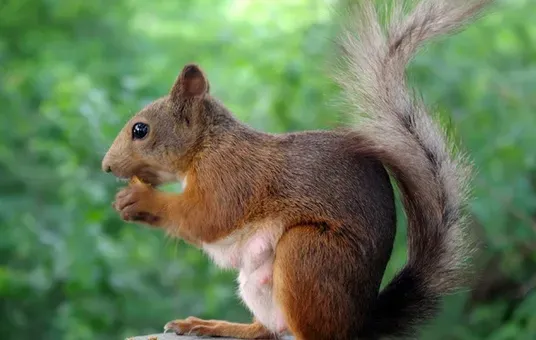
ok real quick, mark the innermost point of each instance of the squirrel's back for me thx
(360, 192)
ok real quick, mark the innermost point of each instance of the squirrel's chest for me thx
(253, 255)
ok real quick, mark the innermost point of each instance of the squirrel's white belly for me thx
(254, 257)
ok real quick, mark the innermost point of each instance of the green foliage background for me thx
(72, 72)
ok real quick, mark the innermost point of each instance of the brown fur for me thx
(327, 189)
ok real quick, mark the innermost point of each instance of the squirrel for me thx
(308, 218)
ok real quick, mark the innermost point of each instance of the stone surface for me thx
(170, 336)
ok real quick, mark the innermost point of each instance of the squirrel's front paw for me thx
(138, 202)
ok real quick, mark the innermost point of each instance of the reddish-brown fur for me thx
(324, 196)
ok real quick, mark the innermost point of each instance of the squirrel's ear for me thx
(192, 82)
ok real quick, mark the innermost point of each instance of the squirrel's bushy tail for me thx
(396, 128)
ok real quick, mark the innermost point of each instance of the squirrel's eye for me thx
(139, 130)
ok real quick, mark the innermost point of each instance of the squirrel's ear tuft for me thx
(192, 82)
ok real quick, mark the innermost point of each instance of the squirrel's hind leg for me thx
(195, 326)
(321, 284)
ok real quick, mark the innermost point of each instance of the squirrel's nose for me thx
(106, 166)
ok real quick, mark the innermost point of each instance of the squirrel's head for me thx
(159, 142)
